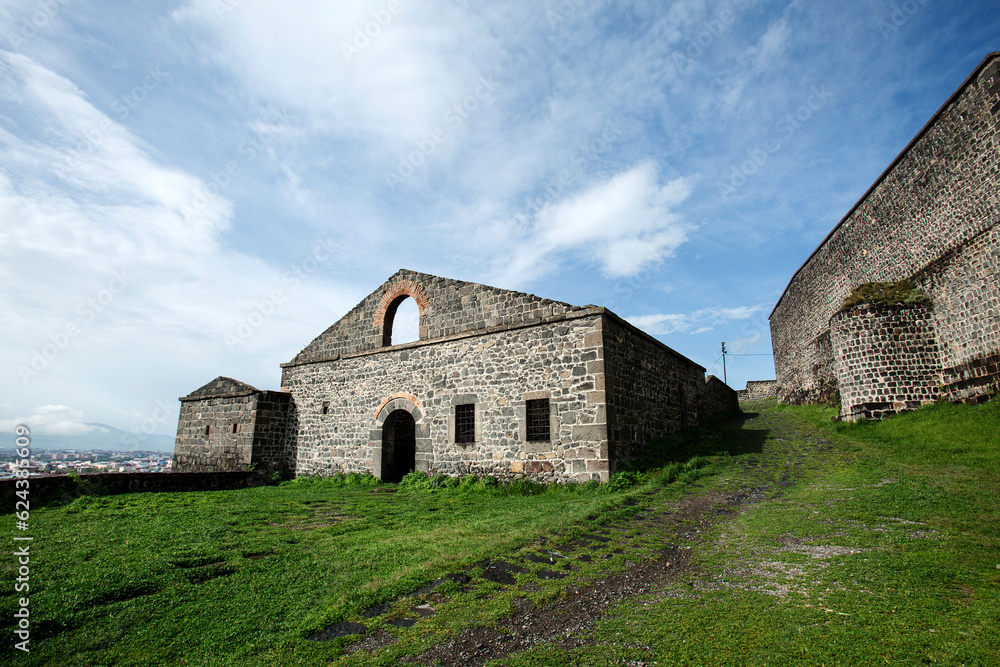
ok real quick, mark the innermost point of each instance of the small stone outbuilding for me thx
(499, 383)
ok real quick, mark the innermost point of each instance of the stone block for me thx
(596, 465)
(590, 432)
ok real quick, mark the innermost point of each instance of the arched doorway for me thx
(399, 445)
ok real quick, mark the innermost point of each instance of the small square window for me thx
(326, 407)
(538, 420)
(465, 423)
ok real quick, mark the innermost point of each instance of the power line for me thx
(759, 354)
(714, 365)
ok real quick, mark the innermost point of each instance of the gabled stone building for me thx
(931, 218)
(499, 383)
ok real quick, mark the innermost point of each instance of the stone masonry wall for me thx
(497, 371)
(221, 449)
(931, 216)
(62, 487)
(246, 426)
(447, 307)
(965, 288)
(758, 390)
(651, 390)
(270, 429)
(717, 398)
(886, 359)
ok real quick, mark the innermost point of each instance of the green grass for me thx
(246, 575)
(914, 504)
(906, 512)
(888, 294)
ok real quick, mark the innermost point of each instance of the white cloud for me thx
(624, 223)
(51, 420)
(393, 83)
(700, 321)
(112, 283)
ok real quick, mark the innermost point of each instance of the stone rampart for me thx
(931, 217)
(758, 390)
(886, 359)
(63, 487)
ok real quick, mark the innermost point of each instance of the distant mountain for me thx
(104, 437)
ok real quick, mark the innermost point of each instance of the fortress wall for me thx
(965, 288)
(497, 371)
(939, 199)
(758, 390)
(717, 398)
(886, 359)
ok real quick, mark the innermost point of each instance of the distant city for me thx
(66, 461)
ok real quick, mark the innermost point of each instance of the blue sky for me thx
(200, 187)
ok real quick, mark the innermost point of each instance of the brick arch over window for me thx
(385, 312)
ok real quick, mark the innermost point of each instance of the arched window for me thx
(402, 322)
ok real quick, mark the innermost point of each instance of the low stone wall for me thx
(886, 359)
(718, 398)
(132, 482)
(758, 390)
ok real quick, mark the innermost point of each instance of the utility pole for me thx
(724, 379)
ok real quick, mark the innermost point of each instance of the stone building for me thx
(930, 218)
(499, 383)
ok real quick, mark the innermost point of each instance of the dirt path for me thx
(774, 452)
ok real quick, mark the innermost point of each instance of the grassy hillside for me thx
(811, 543)
(886, 551)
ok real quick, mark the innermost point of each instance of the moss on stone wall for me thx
(887, 294)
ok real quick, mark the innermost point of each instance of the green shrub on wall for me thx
(887, 294)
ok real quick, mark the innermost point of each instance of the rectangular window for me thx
(234, 428)
(326, 407)
(207, 429)
(465, 423)
(538, 420)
